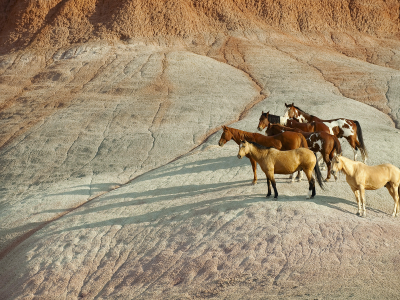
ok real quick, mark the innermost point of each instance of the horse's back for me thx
(289, 161)
(377, 176)
(291, 140)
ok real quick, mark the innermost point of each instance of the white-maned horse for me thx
(361, 177)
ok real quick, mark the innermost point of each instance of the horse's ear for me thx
(292, 104)
(223, 127)
(262, 112)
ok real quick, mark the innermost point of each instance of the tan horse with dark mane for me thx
(361, 177)
(326, 144)
(283, 141)
(273, 161)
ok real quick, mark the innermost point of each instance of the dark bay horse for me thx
(273, 161)
(349, 129)
(267, 118)
(326, 144)
(283, 141)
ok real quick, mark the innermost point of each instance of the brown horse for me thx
(273, 161)
(267, 118)
(326, 144)
(283, 141)
(361, 177)
(349, 129)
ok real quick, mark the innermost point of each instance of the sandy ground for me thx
(122, 192)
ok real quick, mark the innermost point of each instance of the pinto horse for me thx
(349, 129)
(273, 161)
(283, 141)
(326, 144)
(361, 177)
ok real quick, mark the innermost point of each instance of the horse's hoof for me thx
(268, 196)
(358, 214)
(254, 183)
(326, 179)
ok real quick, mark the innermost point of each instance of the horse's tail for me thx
(363, 150)
(337, 147)
(318, 173)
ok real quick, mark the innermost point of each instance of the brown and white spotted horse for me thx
(341, 127)
(326, 144)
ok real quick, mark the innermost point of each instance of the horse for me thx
(283, 141)
(326, 144)
(273, 161)
(267, 118)
(361, 177)
(349, 129)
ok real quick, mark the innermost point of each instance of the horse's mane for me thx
(298, 108)
(274, 118)
(259, 146)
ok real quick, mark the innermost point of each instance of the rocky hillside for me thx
(113, 185)
(58, 23)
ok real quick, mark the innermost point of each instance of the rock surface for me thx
(113, 185)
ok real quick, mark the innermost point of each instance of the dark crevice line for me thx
(211, 132)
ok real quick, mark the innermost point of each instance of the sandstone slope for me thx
(113, 185)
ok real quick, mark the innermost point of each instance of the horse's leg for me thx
(353, 145)
(357, 195)
(328, 164)
(320, 161)
(292, 177)
(274, 186)
(299, 175)
(271, 177)
(362, 198)
(269, 187)
(393, 191)
(311, 184)
(254, 166)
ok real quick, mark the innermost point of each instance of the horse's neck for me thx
(283, 121)
(256, 153)
(304, 117)
(237, 135)
(348, 166)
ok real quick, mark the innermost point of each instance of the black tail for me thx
(363, 150)
(318, 174)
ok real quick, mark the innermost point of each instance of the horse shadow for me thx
(187, 211)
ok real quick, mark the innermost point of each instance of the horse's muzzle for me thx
(239, 156)
(259, 128)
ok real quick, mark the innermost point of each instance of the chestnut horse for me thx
(349, 129)
(361, 177)
(283, 141)
(326, 144)
(273, 161)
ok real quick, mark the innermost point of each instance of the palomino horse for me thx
(326, 144)
(284, 141)
(349, 129)
(361, 177)
(273, 161)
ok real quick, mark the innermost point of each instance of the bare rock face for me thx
(112, 181)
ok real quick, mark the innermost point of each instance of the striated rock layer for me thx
(112, 183)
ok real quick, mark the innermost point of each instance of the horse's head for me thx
(226, 136)
(291, 111)
(243, 149)
(337, 164)
(263, 121)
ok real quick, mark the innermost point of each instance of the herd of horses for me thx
(291, 145)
